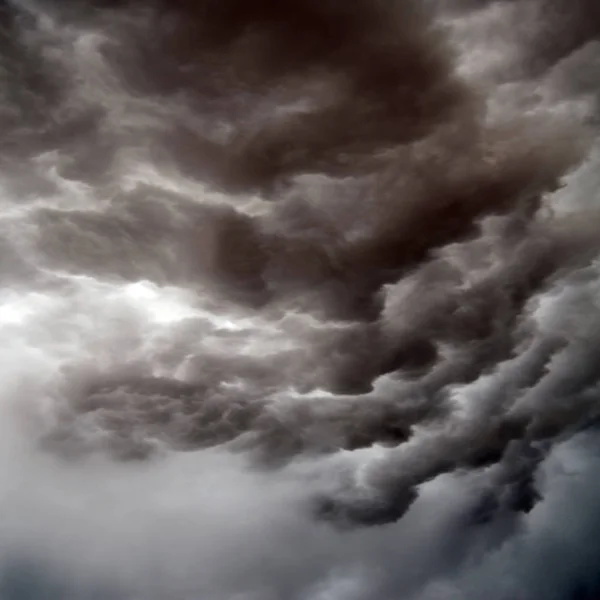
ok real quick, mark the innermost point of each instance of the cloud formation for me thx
(300, 299)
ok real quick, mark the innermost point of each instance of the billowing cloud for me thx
(299, 299)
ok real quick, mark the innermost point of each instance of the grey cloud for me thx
(299, 301)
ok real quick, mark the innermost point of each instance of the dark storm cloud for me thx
(327, 174)
(408, 166)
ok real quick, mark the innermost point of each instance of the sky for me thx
(299, 300)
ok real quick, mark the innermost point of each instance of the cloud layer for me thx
(299, 300)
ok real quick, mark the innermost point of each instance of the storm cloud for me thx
(299, 299)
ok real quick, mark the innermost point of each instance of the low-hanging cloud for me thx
(299, 300)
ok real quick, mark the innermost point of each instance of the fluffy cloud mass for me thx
(300, 299)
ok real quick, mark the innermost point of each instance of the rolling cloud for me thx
(299, 299)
